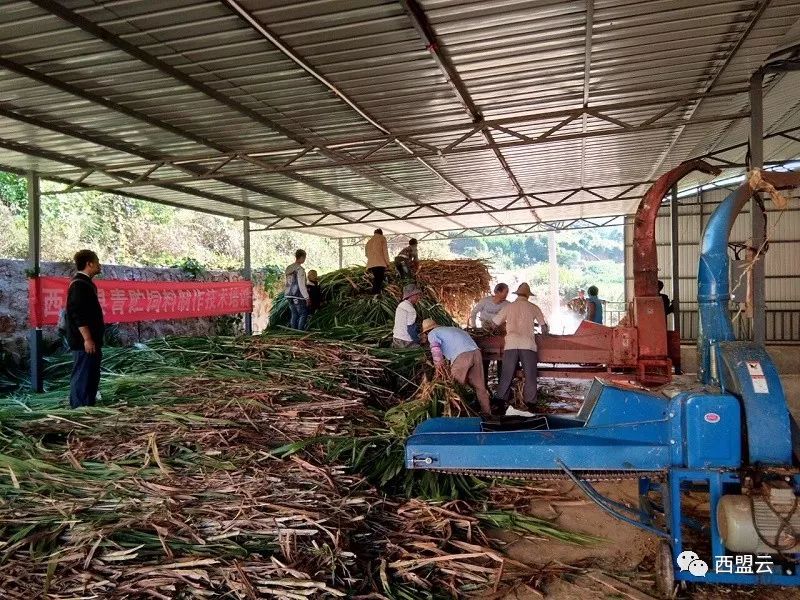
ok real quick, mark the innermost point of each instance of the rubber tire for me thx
(665, 571)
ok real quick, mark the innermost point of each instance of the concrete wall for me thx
(14, 305)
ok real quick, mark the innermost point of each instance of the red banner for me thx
(126, 301)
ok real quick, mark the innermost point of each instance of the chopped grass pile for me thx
(266, 467)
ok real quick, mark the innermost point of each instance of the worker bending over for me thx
(466, 364)
(407, 261)
(519, 317)
(488, 308)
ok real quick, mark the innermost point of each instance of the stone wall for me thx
(14, 305)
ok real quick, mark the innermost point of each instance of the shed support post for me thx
(34, 265)
(756, 213)
(674, 246)
(552, 257)
(248, 272)
(341, 253)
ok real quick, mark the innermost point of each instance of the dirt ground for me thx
(620, 567)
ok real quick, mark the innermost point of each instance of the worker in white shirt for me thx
(406, 330)
(456, 345)
(487, 309)
(520, 317)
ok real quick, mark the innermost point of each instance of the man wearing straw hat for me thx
(406, 330)
(520, 344)
(466, 362)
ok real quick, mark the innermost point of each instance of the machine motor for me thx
(763, 521)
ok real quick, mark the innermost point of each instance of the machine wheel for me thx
(665, 571)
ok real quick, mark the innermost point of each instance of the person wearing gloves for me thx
(296, 292)
(406, 330)
(519, 317)
(377, 251)
(466, 362)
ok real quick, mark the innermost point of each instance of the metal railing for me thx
(783, 324)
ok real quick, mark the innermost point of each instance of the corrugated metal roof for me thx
(415, 115)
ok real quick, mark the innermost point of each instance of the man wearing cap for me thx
(520, 344)
(466, 364)
(406, 331)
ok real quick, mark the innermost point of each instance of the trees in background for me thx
(137, 233)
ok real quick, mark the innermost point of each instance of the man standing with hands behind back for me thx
(85, 330)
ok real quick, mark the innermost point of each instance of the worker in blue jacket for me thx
(594, 306)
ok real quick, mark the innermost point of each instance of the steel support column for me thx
(341, 253)
(756, 211)
(674, 245)
(248, 272)
(552, 257)
(34, 266)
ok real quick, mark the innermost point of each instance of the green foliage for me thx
(273, 279)
(574, 247)
(349, 311)
(137, 233)
(14, 193)
(190, 266)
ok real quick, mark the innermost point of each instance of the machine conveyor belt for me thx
(592, 476)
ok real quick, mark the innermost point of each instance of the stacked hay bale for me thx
(456, 284)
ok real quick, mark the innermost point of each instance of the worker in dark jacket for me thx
(314, 292)
(85, 329)
(407, 261)
(669, 306)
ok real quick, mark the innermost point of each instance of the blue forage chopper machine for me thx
(731, 436)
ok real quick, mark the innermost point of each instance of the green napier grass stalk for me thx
(527, 525)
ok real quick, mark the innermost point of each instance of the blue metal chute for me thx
(742, 368)
(713, 282)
